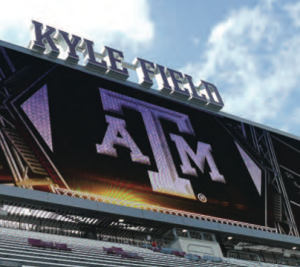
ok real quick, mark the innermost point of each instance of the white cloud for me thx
(106, 22)
(253, 58)
(294, 12)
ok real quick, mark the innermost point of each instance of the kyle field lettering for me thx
(110, 61)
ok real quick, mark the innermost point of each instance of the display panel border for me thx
(137, 87)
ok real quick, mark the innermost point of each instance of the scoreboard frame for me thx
(167, 213)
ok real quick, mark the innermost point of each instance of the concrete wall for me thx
(195, 246)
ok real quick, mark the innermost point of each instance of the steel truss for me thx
(264, 147)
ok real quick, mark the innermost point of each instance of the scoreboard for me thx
(70, 132)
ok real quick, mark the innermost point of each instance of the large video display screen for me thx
(69, 132)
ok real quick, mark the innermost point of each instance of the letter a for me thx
(115, 127)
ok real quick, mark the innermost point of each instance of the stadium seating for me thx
(14, 248)
(132, 255)
(35, 242)
(212, 259)
(39, 243)
(178, 253)
(192, 257)
(60, 246)
(156, 249)
(109, 250)
(122, 253)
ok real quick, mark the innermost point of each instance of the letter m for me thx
(203, 153)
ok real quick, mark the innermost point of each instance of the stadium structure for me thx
(99, 171)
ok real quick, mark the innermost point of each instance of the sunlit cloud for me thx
(107, 22)
(253, 58)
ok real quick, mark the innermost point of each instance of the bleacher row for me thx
(14, 249)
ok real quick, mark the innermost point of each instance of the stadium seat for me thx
(39, 243)
(178, 253)
(166, 250)
(212, 258)
(49, 245)
(62, 246)
(192, 257)
(109, 250)
(132, 255)
(35, 242)
(118, 251)
(156, 249)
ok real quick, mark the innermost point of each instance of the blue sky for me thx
(249, 49)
